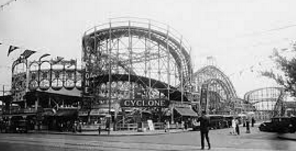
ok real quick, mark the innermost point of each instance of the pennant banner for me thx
(27, 53)
(11, 48)
(72, 62)
(57, 60)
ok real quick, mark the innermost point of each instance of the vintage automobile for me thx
(217, 122)
(279, 124)
(228, 120)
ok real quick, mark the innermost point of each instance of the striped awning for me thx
(186, 112)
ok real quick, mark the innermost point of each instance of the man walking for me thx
(204, 129)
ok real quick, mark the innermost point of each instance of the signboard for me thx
(204, 97)
(87, 72)
(144, 103)
(18, 87)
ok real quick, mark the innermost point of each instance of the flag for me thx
(69, 62)
(11, 48)
(27, 53)
(43, 56)
(57, 60)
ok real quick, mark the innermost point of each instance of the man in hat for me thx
(204, 129)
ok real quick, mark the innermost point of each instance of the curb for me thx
(104, 134)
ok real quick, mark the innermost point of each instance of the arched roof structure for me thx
(211, 74)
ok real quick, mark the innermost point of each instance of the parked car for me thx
(228, 120)
(217, 122)
(279, 124)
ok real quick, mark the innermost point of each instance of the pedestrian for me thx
(99, 129)
(233, 125)
(237, 126)
(248, 125)
(253, 121)
(74, 127)
(80, 127)
(177, 124)
(204, 129)
(166, 126)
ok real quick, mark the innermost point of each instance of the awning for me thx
(67, 112)
(63, 91)
(186, 111)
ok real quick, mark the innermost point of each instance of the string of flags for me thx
(27, 53)
(6, 4)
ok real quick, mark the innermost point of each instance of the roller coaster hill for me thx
(132, 71)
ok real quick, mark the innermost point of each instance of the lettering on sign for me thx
(145, 103)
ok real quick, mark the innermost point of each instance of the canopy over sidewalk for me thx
(186, 112)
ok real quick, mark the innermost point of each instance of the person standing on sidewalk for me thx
(99, 129)
(204, 129)
(248, 125)
(253, 121)
(237, 126)
(233, 125)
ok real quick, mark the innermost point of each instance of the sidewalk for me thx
(112, 133)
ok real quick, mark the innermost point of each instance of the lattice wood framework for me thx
(148, 59)
(221, 91)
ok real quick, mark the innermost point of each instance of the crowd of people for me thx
(245, 122)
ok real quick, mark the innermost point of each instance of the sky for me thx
(239, 35)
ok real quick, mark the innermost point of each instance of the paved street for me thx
(221, 140)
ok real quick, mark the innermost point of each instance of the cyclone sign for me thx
(144, 103)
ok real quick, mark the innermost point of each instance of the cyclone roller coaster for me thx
(126, 59)
(141, 54)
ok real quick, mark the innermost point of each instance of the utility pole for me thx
(109, 58)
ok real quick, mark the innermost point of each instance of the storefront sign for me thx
(204, 97)
(144, 103)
